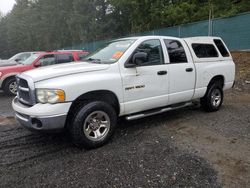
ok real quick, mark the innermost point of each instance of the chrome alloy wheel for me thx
(13, 88)
(96, 125)
(216, 97)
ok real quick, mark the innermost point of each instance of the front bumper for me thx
(41, 117)
(50, 123)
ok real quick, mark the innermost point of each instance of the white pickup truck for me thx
(130, 77)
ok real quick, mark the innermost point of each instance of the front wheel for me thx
(93, 124)
(10, 87)
(213, 99)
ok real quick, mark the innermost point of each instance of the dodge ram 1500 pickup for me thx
(131, 77)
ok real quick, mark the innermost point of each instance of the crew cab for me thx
(130, 77)
(38, 59)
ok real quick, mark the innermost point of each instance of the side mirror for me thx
(137, 59)
(17, 60)
(37, 64)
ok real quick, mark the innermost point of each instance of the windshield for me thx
(31, 59)
(20, 57)
(13, 58)
(111, 52)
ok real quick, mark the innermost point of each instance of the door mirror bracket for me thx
(130, 65)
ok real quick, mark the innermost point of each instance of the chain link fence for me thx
(235, 31)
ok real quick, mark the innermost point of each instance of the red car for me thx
(40, 59)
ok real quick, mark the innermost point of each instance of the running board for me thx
(157, 111)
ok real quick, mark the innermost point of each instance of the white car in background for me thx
(18, 58)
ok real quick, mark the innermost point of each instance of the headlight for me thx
(50, 96)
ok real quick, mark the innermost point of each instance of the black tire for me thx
(77, 122)
(7, 86)
(208, 102)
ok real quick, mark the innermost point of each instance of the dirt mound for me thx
(242, 61)
(7, 120)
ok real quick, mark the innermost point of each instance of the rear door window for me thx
(64, 58)
(221, 47)
(176, 51)
(205, 50)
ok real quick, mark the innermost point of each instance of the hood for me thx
(5, 63)
(64, 69)
(12, 67)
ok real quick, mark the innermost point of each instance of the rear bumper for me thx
(41, 117)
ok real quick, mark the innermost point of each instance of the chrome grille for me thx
(25, 93)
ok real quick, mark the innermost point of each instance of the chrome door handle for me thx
(189, 69)
(162, 73)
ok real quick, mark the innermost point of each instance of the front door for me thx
(146, 85)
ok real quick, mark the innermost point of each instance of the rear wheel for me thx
(10, 86)
(213, 99)
(93, 124)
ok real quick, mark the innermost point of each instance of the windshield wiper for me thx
(93, 60)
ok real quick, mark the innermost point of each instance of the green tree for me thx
(53, 24)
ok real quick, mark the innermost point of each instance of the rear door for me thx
(181, 71)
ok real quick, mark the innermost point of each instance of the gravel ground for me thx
(137, 157)
(183, 148)
(5, 105)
